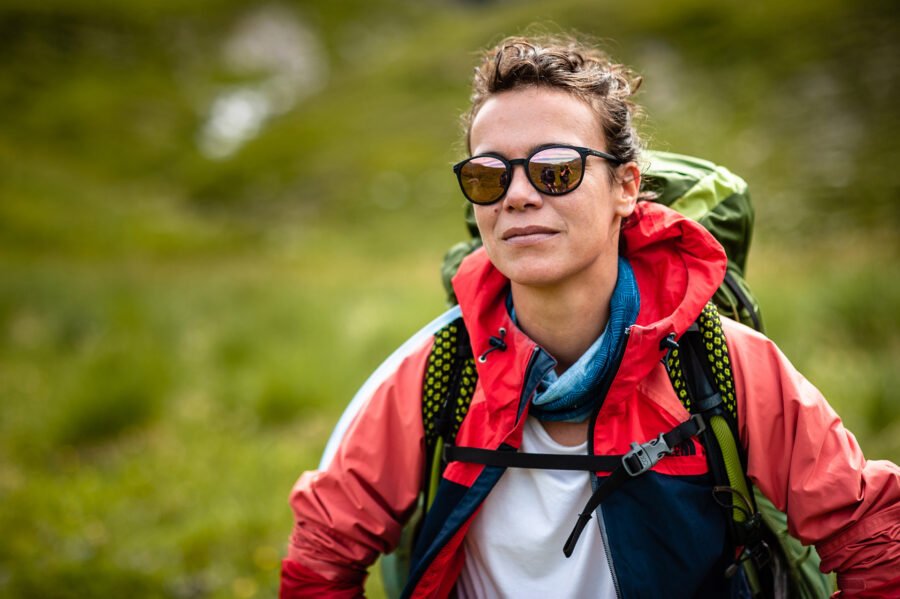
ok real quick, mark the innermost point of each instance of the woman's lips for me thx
(527, 235)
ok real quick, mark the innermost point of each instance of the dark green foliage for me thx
(116, 391)
(67, 580)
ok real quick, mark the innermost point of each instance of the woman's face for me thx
(541, 240)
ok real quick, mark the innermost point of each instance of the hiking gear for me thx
(552, 169)
(775, 563)
(355, 507)
(708, 393)
(572, 396)
(720, 201)
(661, 246)
(702, 191)
(639, 460)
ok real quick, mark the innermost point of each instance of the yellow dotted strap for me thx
(716, 352)
(717, 356)
(450, 371)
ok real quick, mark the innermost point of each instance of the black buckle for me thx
(760, 555)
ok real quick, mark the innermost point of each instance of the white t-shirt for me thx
(514, 547)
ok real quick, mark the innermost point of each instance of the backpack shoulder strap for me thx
(448, 386)
(700, 372)
(700, 367)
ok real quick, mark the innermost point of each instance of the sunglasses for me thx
(552, 169)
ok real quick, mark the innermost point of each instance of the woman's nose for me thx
(521, 193)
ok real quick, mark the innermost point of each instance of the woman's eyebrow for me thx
(531, 150)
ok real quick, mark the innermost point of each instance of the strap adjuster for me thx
(643, 456)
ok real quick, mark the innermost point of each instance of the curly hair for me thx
(565, 63)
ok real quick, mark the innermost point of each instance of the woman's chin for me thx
(535, 276)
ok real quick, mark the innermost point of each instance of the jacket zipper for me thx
(591, 426)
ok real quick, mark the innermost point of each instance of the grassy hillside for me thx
(216, 218)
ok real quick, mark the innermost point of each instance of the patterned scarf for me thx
(572, 396)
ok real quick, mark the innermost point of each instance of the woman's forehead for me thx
(519, 120)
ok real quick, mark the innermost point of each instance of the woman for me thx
(568, 306)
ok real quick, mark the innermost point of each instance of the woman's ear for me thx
(628, 186)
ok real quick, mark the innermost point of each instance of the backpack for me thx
(775, 564)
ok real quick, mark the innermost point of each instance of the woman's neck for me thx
(567, 318)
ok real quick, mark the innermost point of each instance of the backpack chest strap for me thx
(641, 458)
(508, 457)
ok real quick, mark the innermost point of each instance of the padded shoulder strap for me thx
(700, 368)
(700, 371)
(450, 379)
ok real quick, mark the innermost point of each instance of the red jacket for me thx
(800, 455)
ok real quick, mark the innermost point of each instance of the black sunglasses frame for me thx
(510, 163)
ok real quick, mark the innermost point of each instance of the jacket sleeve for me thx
(812, 468)
(354, 509)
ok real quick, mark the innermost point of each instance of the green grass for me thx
(178, 335)
(831, 306)
(157, 417)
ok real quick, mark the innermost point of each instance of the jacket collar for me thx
(678, 265)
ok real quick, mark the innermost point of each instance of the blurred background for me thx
(217, 217)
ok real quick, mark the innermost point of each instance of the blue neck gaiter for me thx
(572, 396)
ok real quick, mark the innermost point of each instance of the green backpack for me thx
(775, 563)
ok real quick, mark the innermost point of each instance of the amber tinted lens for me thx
(555, 170)
(484, 179)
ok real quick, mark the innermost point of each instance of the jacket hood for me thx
(678, 265)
